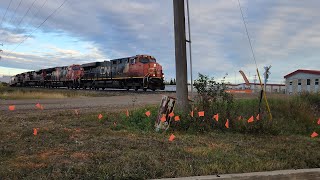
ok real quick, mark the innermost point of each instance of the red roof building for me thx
(302, 80)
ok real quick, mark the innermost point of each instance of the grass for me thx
(70, 146)
(41, 93)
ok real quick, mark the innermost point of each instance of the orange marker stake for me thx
(216, 117)
(163, 118)
(35, 131)
(239, 118)
(100, 116)
(171, 114)
(250, 120)
(41, 107)
(227, 123)
(176, 118)
(191, 113)
(12, 108)
(127, 113)
(201, 113)
(319, 121)
(258, 117)
(38, 106)
(172, 137)
(115, 124)
(148, 113)
(314, 134)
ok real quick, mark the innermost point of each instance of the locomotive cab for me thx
(151, 72)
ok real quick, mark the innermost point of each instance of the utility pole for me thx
(180, 55)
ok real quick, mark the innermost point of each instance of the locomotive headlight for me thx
(154, 65)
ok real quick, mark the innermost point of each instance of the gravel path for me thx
(112, 102)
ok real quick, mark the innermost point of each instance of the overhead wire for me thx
(3, 17)
(14, 13)
(34, 15)
(16, 28)
(37, 27)
(26, 13)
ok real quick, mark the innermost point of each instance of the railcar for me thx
(136, 72)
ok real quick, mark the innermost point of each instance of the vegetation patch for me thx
(80, 145)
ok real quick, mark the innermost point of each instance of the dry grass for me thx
(41, 93)
(82, 147)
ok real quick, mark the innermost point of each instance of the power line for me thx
(14, 13)
(35, 14)
(38, 27)
(21, 19)
(5, 13)
(26, 13)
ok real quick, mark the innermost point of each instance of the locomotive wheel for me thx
(136, 88)
(144, 89)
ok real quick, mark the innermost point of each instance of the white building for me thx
(255, 87)
(302, 81)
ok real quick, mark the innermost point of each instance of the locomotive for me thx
(136, 72)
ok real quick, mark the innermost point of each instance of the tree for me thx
(171, 82)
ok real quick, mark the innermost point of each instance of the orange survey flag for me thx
(38, 106)
(201, 113)
(227, 123)
(314, 134)
(35, 131)
(216, 117)
(148, 113)
(176, 118)
(127, 113)
(250, 120)
(163, 118)
(191, 113)
(172, 137)
(100, 116)
(319, 121)
(171, 114)
(12, 107)
(258, 117)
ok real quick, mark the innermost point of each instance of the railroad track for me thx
(99, 90)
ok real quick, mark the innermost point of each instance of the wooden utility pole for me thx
(180, 54)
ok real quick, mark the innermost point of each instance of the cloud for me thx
(284, 34)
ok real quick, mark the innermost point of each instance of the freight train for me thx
(136, 72)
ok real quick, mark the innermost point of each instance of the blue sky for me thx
(284, 34)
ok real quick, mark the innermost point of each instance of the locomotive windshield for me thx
(146, 60)
(76, 68)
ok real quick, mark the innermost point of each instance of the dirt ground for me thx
(86, 103)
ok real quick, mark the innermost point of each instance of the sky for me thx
(284, 33)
